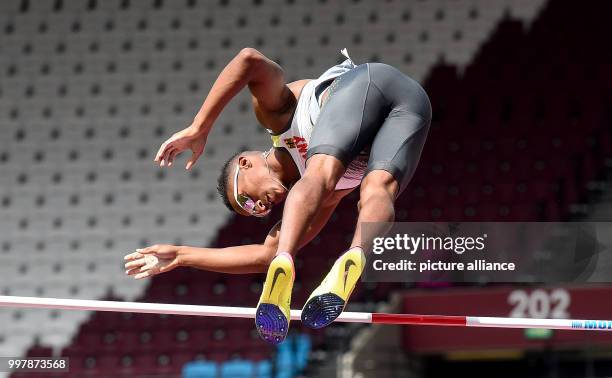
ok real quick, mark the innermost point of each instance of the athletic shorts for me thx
(376, 114)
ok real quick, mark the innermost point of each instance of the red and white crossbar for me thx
(347, 316)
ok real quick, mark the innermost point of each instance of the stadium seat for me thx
(263, 369)
(200, 369)
(237, 368)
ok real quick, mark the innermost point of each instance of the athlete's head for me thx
(247, 185)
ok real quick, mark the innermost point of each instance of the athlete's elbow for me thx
(250, 55)
(250, 61)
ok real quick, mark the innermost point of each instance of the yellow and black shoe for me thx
(327, 301)
(273, 312)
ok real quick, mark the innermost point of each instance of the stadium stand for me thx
(89, 89)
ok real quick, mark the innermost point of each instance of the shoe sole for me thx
(270, 320)
(271, 323)
(321, 310)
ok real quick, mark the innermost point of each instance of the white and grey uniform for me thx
(374, 117)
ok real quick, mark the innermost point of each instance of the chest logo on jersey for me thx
(299, 143)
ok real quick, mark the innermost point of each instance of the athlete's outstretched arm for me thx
(161, 258)
(249, 67)
(253, 258)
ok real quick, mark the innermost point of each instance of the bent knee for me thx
(377, 195)
(326, 170)
(378, 198)
(379, 183)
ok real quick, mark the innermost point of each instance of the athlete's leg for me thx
(349, 120)
(394, 155)
(305, 199)
(376, 203)
(273, 310)
(395, 152)
(352, 114)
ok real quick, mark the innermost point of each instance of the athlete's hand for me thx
(188, 138)
(149, 261)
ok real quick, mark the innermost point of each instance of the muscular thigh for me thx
(350, 118)
(374, 107)
(399, 142)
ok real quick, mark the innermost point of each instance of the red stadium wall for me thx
(551, 302)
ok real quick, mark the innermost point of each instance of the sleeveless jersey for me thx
(296, 138)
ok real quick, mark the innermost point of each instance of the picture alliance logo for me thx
(413, 244)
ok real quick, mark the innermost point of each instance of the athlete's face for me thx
(256, 190)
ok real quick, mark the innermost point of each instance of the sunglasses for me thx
(246, 202)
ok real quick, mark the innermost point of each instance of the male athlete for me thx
(354, 125)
